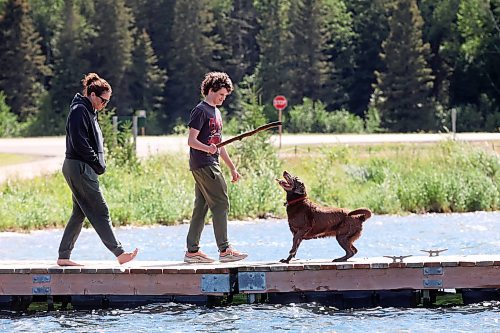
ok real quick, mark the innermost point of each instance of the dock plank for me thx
(334, 280)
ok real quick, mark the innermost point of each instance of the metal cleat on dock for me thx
(397, 258)
(434, 253)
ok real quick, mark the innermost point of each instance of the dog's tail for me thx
(364, 213)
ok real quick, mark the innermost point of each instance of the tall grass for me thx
(446, 177)
(395, 179)
(34, 204)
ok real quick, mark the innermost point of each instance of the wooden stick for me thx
(249, 133)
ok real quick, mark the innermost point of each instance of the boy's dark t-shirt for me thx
(207, 119)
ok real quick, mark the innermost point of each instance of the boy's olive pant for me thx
(87, 202)
(210, 192)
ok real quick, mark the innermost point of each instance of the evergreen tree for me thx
(440, 31)
(339, 48)
(70, 66)
(403, 90)
(195, 44)
(370, 28)
(307, 36)
(250, 111)
(110, 51)
(270, 72)
(22, 64)
(157, 17)
(147, 80)
(479, 28)
(237, 27)
(46, 17)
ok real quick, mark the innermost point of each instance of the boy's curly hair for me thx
(216, 81)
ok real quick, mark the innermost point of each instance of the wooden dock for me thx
(378, 281)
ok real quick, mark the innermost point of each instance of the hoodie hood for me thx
(80, 99)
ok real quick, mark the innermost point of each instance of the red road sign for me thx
(280, 102)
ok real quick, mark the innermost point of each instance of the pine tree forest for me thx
(359, 66)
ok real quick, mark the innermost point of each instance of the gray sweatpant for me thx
(87, 202)
(210, 192)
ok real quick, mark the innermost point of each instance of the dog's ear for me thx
(299, 186)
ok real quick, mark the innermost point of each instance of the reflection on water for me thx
(254, 318)
(471, 233)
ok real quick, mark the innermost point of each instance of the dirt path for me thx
(51, 149)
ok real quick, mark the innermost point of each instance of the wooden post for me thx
(454, 122)
(134, 131)
(115, 130)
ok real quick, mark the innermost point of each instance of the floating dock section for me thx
(368, 282)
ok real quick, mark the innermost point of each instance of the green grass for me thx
(445, 299)
(9, 159)
(389, 179)
(401, 178)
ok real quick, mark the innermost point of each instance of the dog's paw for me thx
(339, 260)
(284, 261)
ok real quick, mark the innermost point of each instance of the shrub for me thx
(373, 121)
(312, 117)
(118, 141)
(306, 117)
(342, 121)
(9, 126)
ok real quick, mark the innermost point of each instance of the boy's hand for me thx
(212, 149)
(235, 176)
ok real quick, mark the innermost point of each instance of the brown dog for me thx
(308, 220)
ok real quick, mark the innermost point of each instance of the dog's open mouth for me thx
(286, 183)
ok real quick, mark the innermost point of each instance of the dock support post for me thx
(50, 303)
(429, 297)
(251, 299)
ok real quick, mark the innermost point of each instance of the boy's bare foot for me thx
(127, 256)
(67, 262)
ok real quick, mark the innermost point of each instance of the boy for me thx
(205, 129)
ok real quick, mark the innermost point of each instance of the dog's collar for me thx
(294, 201)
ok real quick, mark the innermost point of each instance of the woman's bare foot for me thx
(127, 256)
(67, 262)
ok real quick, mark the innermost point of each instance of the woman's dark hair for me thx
(92, 83)
(216, 81)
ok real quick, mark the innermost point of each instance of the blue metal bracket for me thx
(41, 278)
(433, 283)
(41, 290)
(215, 283)
(433, 270)
(251, 281)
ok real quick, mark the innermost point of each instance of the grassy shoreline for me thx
(7, 159)
(389, 179)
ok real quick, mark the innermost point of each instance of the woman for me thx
(84, 162)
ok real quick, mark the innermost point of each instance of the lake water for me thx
(270, 240)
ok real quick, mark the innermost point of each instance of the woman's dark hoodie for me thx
(84, 141)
